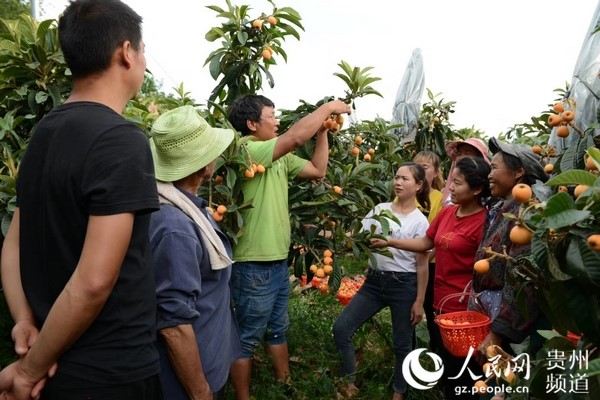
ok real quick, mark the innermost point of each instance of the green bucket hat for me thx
(182, 142)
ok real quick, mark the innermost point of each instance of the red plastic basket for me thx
(463, 329)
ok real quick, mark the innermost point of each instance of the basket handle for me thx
(465, 292)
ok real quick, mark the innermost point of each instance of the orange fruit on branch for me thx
(579, 189)
(522, 193)
(339, 119)
(217, 217)
(337, 189)
(562, 131)
(482, 266)
(554, 120)
(218, 180)
(590, 164)
(537, 149)
(558, 107)
(480, 387)
(594, 242)
(266, 54)
(367, 157)
(568, 115)
(272, 20)
(328, 269)
(548, 168)
(327, 253)
(257, 24)
(249, 173)
(260, 169)
(327, 260)
(358, 140)
(355, 151)
(320, 273)
(520, 235)
(221, 209)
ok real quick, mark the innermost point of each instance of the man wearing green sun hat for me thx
(197, 336)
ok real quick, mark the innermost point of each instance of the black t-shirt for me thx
(84, 159)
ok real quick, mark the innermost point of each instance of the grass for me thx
(314, 360)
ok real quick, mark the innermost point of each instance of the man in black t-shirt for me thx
(75, 263)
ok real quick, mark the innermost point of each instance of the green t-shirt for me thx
(267, 231)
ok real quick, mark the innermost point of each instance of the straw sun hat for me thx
(182, 143)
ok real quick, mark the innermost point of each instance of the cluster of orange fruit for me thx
(355, 151)
(267, 53)
(348, 288)
(561, 120)
(253, 170)
(500, 368)
(258, 22)
(219, 213)
(327, 265)
(334, 123)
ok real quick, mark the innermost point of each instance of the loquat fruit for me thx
(482, 266)
(266, 54)
(339, 119)
(260, 168)
(272, 20)
(554, 120)
(328, 124)
(520, 235)
(355, 151)
(548, 168)
(579, 189)
(594, 242)
(358, 140)
(320, 273)
(327, 260)
(522, 193)
(328, 269)
(562, 131)
(568, 115)
(563, 189)
(218, 180)
(558, 107)
(249, 173)
(337, 189)
(221, 209)
(327, 253)
(371, 151)
(254, 167)
(480, 387)
(217, 217)
(590, 164)
(313, 268)
(367, 157)
(537, 149)
(257, 24)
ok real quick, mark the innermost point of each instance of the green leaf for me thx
(593, 368)
(560, 211)
(582, 261)
(573, 177)
(583, 302)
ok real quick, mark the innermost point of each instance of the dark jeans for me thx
(397, 290)
(146, 389)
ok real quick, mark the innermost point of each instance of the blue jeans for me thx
(397, 290)
(260, 292)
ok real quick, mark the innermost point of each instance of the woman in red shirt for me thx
(455, 234)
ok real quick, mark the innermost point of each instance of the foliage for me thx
(563, 267)
(11, 9)
(249, 48)
(33, 80)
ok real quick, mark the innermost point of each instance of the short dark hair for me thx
(89, 31)
(247, 108)
(476, 172)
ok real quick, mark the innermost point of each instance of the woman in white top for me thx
(398, 282)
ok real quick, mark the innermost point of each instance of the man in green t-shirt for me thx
(260, 277)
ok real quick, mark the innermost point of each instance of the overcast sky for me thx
(500, 61)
